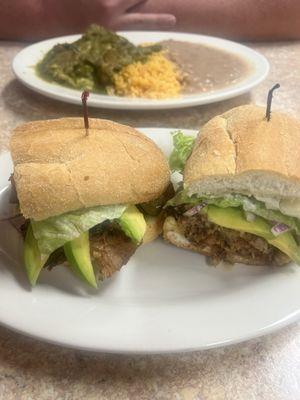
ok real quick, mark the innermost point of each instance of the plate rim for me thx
(114, 102)
(270, 329)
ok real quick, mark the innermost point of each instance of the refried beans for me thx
(204, 68)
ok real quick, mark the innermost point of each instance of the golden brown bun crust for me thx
(59, 169)
(242, 140)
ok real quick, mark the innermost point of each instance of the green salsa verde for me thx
(91, 61)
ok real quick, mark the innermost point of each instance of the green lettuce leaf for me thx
(183, 145)
(248, 204)
(182, 197)
(54, 232)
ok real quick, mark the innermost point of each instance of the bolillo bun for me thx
(240, 151)
(57, 168)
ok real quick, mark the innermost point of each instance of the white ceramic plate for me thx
(25, 60)
(164, 300)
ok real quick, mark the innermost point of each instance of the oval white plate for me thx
(164, 300)
(26, 59)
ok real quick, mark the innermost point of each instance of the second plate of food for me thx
(140, 70)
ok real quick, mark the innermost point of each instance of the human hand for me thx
(32, 20)
(121, 14)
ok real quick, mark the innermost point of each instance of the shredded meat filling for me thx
(229, 245)
(110, 250)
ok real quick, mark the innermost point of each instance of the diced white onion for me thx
(250, 216)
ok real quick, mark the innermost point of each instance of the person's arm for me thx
(240, 19)
(37, 19)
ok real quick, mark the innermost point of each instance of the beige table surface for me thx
(265, 368)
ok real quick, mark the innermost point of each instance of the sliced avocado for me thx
(287, 244)
(77, 252)
(133, 223)
(32, 257)
(233, 218)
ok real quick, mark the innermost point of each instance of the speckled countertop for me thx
(266, 368)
